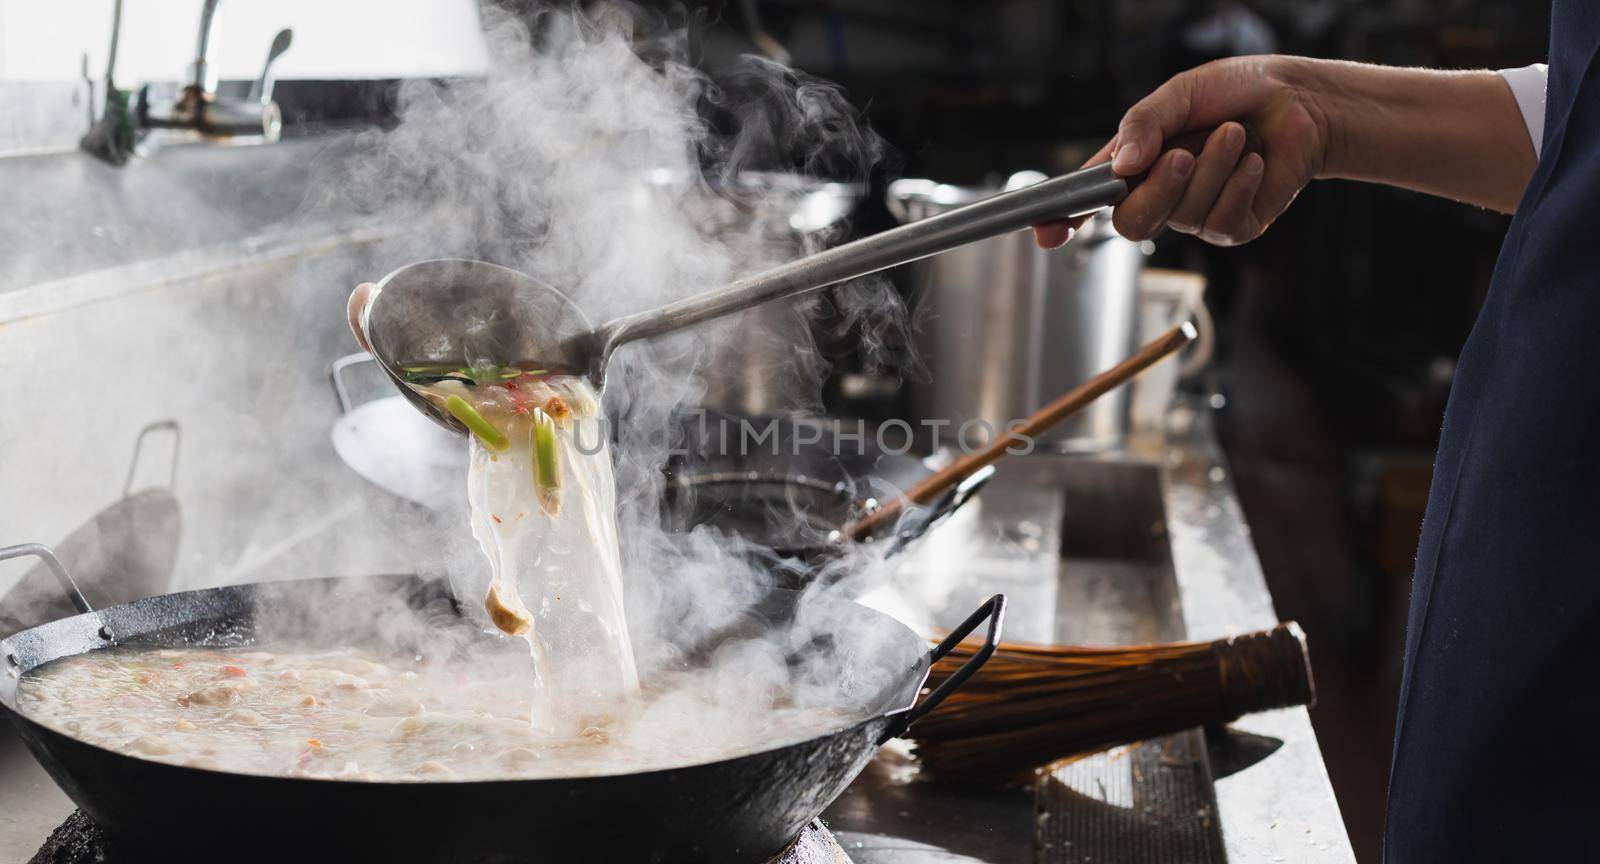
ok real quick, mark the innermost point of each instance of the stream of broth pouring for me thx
(543, 505)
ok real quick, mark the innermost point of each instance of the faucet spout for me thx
(202, 81)
(112, 137)
(198, 110)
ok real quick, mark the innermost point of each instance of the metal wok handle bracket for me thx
(336, 374)
(993, 609)
(44, 553)
(138, 450)
(944, 508)
(970, 486)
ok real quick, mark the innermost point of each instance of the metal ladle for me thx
(453, 313)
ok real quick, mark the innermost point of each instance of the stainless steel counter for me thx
(1153, 547)
(1283, 808)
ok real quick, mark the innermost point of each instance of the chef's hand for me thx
(1224, 195)
(358, 300)
(1459, 135)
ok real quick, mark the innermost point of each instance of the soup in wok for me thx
(546, 688)
(349, 714)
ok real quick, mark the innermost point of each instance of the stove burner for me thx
(815, 845)
(79, 841)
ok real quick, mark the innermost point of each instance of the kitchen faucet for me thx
(198, 109)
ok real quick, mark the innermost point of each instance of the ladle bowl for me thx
(452, 313)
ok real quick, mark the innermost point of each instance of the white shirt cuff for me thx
(1527, 87)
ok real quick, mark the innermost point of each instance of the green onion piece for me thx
(491, 437)
(546, 459)
(424, 379)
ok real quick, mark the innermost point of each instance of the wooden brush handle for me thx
(1040, 421)
(1034, 705)
(1261, 671)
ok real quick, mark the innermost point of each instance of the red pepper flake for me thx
(495, 518)
(234, 671)
(512, 385)
(315, 744)
(179, 665)
(522, 409)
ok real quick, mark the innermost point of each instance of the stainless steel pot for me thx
(1005, 326)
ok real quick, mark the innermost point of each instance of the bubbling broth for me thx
(557, 696)
(348, 714)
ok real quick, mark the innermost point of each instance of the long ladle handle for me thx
(1065, 406)
(1076, 194)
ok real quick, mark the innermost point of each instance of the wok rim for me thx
(700, 469)
(18, 717)
(331, 782)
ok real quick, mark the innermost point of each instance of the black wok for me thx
(789, 485)
(741, 809)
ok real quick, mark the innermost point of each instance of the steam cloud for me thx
(596, 157)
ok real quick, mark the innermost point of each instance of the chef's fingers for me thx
(1197, 99)
(1233, 220)
(1149, 123)
(358, 301)
(1050, 235)
(1147, 207)
(1215, 165)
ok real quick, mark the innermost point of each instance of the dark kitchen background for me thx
(1338, 330)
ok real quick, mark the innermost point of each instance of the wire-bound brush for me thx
(1032, 705)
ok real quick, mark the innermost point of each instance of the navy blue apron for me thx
(1497, 743)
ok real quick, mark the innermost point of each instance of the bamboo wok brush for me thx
(1037, 704)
